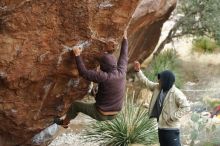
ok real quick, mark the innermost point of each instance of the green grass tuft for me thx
(204, 45)
(132, 126)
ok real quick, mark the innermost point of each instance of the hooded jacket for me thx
(108, 63)
(175, 103)
(111, 79)
(167, 80)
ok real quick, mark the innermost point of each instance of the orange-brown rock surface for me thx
(38, 76)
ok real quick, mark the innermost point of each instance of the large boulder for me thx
(38, 75)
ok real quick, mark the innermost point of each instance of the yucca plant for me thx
(132, 126)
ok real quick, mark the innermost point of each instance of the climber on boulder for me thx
(111, 80)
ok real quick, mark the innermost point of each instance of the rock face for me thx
(38, 75)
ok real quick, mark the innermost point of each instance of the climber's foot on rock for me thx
(61, 122)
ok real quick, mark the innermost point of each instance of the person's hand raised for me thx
(137, 66)
(125, 34)
(77, 51)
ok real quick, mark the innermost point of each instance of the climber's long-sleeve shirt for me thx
(111, 85)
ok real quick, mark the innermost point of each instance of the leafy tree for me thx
(195, 18)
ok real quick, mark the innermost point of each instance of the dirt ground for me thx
(71, 136)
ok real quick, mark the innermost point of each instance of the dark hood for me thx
(108, 62)
(167, 79)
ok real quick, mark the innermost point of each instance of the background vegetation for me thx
(194, 18)
(167, 60)
(205, 45)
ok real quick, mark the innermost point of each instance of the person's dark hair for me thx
(167, 79)
(158, 76)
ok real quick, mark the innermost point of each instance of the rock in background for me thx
(38, 75)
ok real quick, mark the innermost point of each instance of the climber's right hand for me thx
(77, 51)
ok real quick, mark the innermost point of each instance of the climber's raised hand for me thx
(125, 34)
(77, 51)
